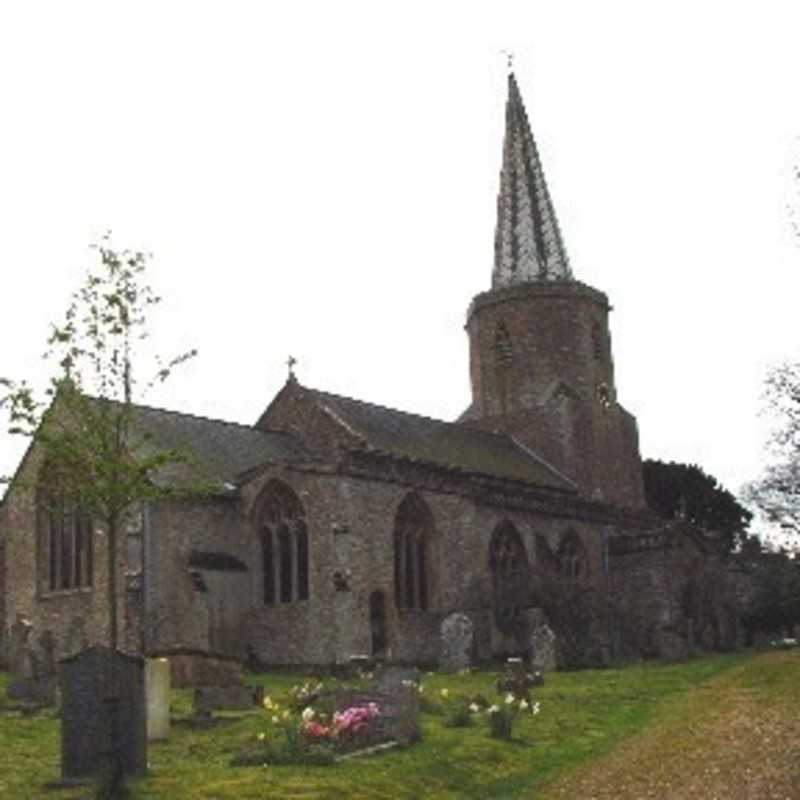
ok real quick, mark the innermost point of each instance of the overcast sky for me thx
(319, 179)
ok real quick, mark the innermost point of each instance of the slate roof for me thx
(528, 243)
(446, 444)
(222, 450)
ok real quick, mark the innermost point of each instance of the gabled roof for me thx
(221, 450)
(445, 444)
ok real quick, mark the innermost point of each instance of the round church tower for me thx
(540, 350)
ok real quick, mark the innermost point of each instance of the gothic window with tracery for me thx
(572, 560)
(283, 536)
(66, 542)
(413, 550)
(508, 564)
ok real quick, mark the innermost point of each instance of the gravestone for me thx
(19, 634)
(543, 649)
(33, 666)
(156, 690)
(87, 702)
(456, 636)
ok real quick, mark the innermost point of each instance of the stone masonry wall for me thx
(73, 618)
(351, 532)
(189, 606)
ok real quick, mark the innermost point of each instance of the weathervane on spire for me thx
(290, 362)
(509, 60)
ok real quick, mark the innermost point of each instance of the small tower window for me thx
(503, 356)
(503, 350)
(598, 342)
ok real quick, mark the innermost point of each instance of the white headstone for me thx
(156, 689)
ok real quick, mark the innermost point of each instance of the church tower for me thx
(541, 364)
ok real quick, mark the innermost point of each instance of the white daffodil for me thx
(275, 719)
(524, 705)
(308, 714)
(444, 692)
(474, 708)
(493, 709)
(261, 737)
(535, 709)
(509, 699)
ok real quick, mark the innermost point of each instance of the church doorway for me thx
(377, 623)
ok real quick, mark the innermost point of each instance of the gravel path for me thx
(735, 738)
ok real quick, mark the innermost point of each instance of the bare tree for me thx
(777, 491)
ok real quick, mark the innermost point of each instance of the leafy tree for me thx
(775, 577)
(672, 489)
(777, 492)
(84, 425)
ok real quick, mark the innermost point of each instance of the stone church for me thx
(344, 528)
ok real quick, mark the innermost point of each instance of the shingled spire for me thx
(528, 244)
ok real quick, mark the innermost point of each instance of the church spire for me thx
(528, 244)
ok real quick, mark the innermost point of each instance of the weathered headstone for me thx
(543, 649)
(89, 694)
(156, 689)
(33, 666)
(456, 637)
(18, 662)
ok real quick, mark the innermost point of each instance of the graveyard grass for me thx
(584, 716)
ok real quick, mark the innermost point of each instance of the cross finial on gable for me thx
(290, 362)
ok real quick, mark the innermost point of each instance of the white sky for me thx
(319, 178)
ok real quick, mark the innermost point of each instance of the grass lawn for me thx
(583, 716)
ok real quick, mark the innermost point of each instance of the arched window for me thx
(65, 541)
(413, 536)
(283, 536)
(503, 357)
(508, 564)
(572, 561)
(503, 350)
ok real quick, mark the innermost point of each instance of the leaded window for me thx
(413, 536)
(66, 542)
(283, 536)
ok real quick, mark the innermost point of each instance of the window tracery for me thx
(572, 560)
(66, 542)
(283, 536)
(413, 535)
(508, 564)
